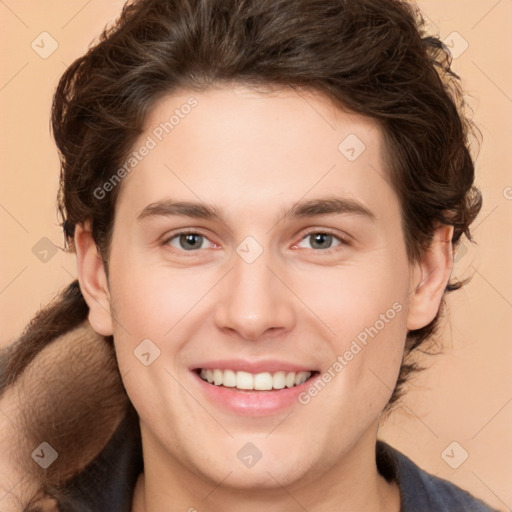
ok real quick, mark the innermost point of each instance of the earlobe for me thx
(93, 280)
(430, 278)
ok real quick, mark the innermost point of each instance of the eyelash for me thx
(343, 241)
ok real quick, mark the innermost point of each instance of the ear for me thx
(93, 280)
(429, 279)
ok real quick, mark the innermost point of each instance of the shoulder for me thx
(421, 491)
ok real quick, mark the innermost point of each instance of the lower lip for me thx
(253, 403)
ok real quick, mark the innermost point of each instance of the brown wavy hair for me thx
(372, 57)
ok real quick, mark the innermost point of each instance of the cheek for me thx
(149, 300)
(353, 298)
(367, 310)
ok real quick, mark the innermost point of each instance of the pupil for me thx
(319, 238)
(190, 239)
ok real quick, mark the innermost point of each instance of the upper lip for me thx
(265, 365)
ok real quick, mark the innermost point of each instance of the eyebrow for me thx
(329, 205)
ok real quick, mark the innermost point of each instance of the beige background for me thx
(466, 396)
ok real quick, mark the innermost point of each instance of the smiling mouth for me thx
(245, 381)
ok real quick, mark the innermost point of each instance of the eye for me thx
(321, 240)
(187, 241)
(191, 241)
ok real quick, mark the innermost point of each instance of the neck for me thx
(352, 484)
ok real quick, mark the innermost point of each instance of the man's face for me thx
(324, 292)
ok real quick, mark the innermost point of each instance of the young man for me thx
(264, 198)
(247, 250)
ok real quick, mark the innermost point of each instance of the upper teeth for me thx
(259, 381)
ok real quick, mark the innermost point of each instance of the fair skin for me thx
(302, 301)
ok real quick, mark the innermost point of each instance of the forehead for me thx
(225, 115)
(250, 146)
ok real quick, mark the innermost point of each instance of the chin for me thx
(248, 467)
(262, 476)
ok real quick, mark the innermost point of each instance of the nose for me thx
(255, 302)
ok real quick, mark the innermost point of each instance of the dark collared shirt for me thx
(107, 485)
(420, 491)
